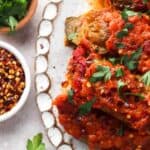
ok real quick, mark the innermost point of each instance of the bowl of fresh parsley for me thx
(15, 14)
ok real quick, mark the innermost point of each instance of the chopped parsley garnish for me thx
(122, 33)
(119, 73)
(97, 49)
(103, 74)
(120, 86)
(131, 62)
(129, 25)
(114, 60)
(120, 45)
(148, 12)
(72, 36)
(86, 108)
(128, 13)
(138, 95)
(137, 54)
(121, 130)
(146, 78)
(70, 96)
(125, 31)
(122, 94)
(145, 1)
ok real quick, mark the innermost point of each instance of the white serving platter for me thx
(50, 66)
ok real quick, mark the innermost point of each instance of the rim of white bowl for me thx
(10, 48)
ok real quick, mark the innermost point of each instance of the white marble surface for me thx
(15, 132)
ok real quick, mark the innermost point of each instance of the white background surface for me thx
(15, 132)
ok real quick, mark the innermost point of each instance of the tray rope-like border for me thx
(56, 134)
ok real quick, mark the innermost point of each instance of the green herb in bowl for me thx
(11, 12)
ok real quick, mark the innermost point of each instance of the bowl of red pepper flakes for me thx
(15, 81)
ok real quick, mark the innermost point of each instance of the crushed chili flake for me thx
(12, 81)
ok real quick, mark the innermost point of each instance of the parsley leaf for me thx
(36, 143)
(121, 130)
(103, 73)
(120, 86)
(70, 96)
(119, 73)
(132, 62)
(128, 62)
(145, 1)
(129, 26)
(148, 12)
(122, 95)
(12, 22)
(125, 31)
(114, 60)
(107, 76)
(138, 95)
(146, 78)
(120, 45)
(128, 13)
(86, 108)
(136, 55)
(122, 33)
(97, 77)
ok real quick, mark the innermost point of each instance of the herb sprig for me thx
(119, 72)
(126, 13)
(122, 94)
(131, 62)
(70, 96)
(120, 86)
(121, 130)
(86, 108)
(36, 143)
(145, 1)
(146, 78)
(120, 45)
(125, 31)
(103, 74)
(138, 95)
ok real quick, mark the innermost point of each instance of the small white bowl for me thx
(26, 91)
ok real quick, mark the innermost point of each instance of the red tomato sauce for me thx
(108, 105)
(98, 127)
(100, 130)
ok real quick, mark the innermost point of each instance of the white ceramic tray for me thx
(50, 66)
